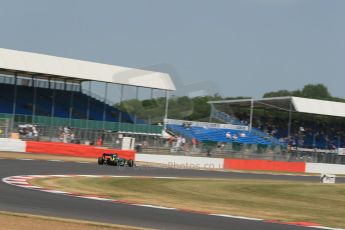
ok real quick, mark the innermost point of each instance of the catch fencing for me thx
(5, 124)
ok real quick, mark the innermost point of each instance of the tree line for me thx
(197, 108)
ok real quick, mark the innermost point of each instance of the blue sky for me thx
(239, 48)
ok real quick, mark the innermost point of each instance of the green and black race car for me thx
(114, 160)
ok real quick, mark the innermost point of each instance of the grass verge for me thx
(19, 221)
(276, 200)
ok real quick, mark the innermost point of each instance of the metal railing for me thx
(206, 124)
(238, 151)
(84, 124)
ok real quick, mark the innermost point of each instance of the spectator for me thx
(194, 144)
(100, 141)
(178, 142)
(235, 137)
(183, 141)
(228, 135)
(170, 141)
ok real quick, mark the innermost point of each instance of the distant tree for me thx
(201, 109)
(279, 93)
(236, 98)
(318, 91)
(150, 103)
(197, 108)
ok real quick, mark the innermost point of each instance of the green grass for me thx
(19, 221)
(278, 200)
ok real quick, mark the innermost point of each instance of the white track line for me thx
(95, 198)
(237, 217)
(155, 206)
(321, 227)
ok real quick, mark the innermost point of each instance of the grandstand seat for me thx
(44, 97)
(217, 134)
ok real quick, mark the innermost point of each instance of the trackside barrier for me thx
(264, 165)
(74, 150)
(182, 161)
(12, 145)
(325, 168)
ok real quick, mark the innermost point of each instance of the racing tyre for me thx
(100, 161)
(130, 163)
(109, 162)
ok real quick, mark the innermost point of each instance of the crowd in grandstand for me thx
(306, 131)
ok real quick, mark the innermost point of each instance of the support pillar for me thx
(71, 108)
(150, 118)
(251, 115)
(14, 101)
(211, 112)
(289, 122)
(49, 83)
(136, 97)
(120, 112)
(105, 104)
(34, 100)
(64, 84)
(52, 113)
(166, 108)
(15, 95)
(88, 106)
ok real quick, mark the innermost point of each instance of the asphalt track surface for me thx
(16, 199)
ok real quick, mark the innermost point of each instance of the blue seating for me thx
(310, 139)
(233, 120)
(44, 102)
(218, 135)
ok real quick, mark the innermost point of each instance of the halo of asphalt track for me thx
(16, 199)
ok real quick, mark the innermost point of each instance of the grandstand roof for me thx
(45, 66)
(298, 104)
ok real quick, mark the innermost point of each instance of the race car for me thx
(115, 160)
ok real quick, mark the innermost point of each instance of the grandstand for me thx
(300, 122)
(291, 123)
(205, 131)
(48, 90)
(44, 106)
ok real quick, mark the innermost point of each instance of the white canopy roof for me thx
(40, 65)
(314, 106)
(298, 104)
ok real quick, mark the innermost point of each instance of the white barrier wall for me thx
(325, 168)
(12, 145)
(182, 161)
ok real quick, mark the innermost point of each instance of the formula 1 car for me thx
(114, 160)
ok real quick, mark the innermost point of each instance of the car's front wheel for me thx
(100, 161)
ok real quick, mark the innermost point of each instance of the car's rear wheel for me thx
(130, 163)
(100, 161)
